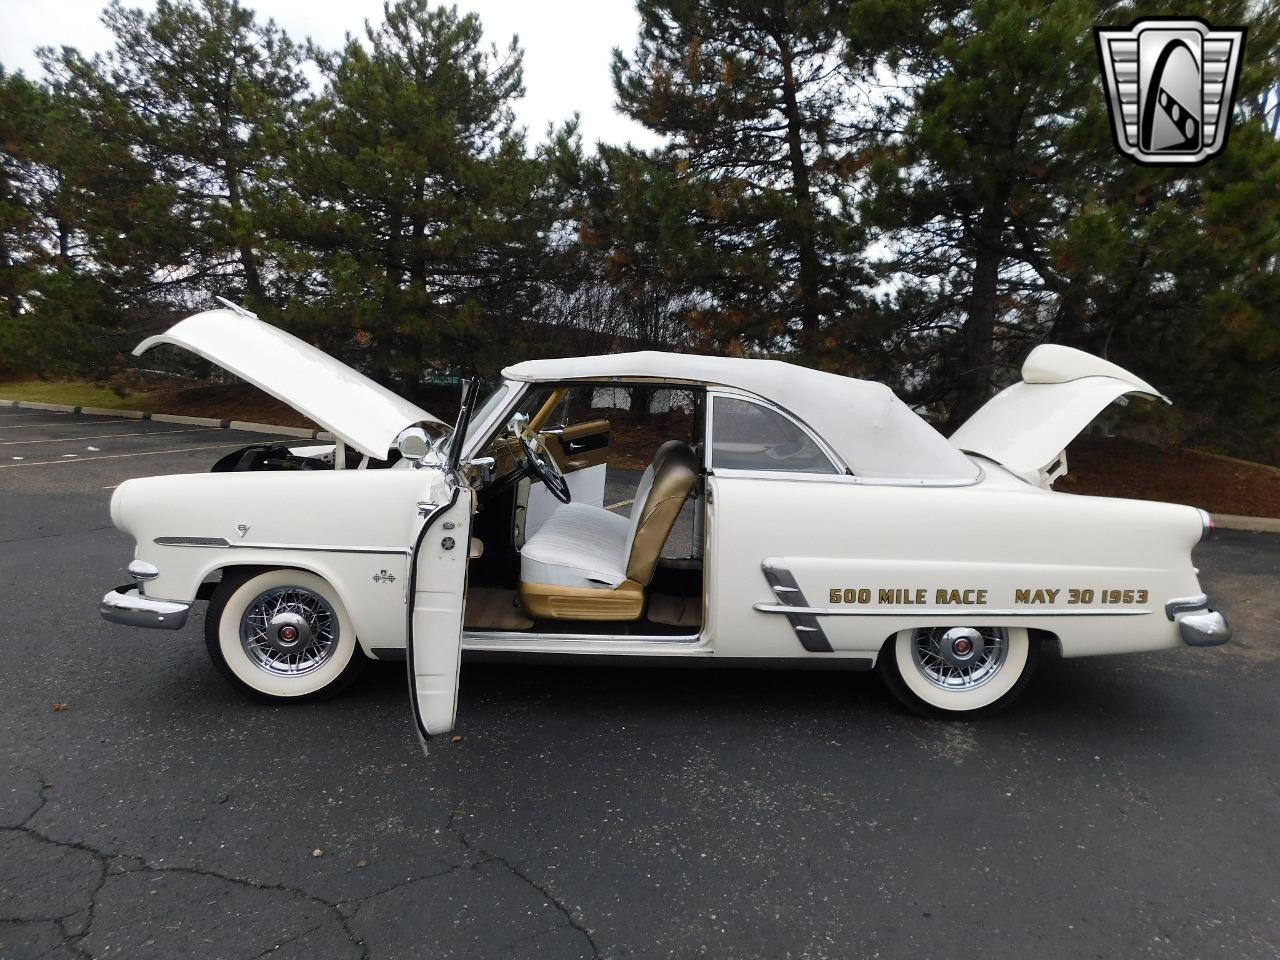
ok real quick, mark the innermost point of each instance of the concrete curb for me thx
(109, 412)
(273, 428)
(189, 421)
(53, 407)
(1227, 521)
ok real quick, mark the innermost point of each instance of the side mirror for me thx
(413, 444)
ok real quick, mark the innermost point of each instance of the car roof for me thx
(877, 435)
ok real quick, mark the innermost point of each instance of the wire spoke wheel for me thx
(959, 658)
(958, 671)
(289, 631)
(281, 635)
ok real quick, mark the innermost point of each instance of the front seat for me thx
(586, 563)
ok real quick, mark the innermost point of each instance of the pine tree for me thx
(194, 88)
(747, 206)
(1013, 220)
(417, 222)
(60, 298)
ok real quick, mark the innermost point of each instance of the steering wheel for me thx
(539, 462)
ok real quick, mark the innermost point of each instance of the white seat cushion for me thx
(578, 546)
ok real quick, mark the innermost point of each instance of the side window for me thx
(747, 436)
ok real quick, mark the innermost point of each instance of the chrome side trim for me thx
(131, 609)
(801, 616)
(1208, 629)
(1185, 605)
(965, 613)
(322, 548)
(846, 478)
(191, 542)
(506, 636)
(316, 547)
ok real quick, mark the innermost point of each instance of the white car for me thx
(786, 517)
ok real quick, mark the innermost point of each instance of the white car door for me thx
(438, 587)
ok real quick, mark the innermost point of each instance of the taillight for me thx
(1207, 526)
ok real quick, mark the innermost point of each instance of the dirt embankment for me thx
(1116, 467)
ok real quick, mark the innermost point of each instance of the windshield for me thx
(497, 396)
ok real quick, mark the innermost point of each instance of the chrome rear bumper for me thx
(1208, 629)
(1200, 627)
(125, 605)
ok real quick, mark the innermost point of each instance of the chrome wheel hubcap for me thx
(959, 658)
(289, 631)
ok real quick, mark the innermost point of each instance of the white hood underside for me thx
(1027, 425)
(348, 404)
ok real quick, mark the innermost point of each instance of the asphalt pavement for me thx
(1125, 808)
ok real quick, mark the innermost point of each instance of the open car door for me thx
(1026, 427)
(437, 588)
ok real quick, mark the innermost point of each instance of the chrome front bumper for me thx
(1200, 627)
(125, 605)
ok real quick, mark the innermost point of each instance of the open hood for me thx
(1027, 426)
(348, 404)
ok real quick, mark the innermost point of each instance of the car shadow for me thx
(1092, 697)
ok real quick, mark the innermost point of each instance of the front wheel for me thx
(281, 635)
(958, 672)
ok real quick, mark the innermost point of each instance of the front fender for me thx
(352, 528)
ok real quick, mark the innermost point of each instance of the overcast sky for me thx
(567, 45)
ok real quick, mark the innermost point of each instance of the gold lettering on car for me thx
(1081, 596)
(945, 597)
(979, 597)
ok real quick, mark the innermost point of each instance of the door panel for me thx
(439, 584)
(580, 446)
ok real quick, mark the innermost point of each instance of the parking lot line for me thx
(116, 456)
(54, 423)
(107, 436)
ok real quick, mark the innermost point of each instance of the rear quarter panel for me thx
(993, 544)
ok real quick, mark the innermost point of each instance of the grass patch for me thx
(75, 393)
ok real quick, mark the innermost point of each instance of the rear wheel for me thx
(281, 635)
(958, 672)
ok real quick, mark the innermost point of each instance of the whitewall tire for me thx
(961, 672)
(281, 635)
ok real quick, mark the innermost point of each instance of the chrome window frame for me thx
(484, 434)
(838, 467)
(480, 433)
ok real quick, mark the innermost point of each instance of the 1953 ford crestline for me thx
(786, 517)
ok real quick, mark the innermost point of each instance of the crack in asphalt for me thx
(276, 946)
(117, 864)
(409, 881)
(73, 939)
(515, 871)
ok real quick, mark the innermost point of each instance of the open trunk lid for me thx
(348, 404)
(1027, 426)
